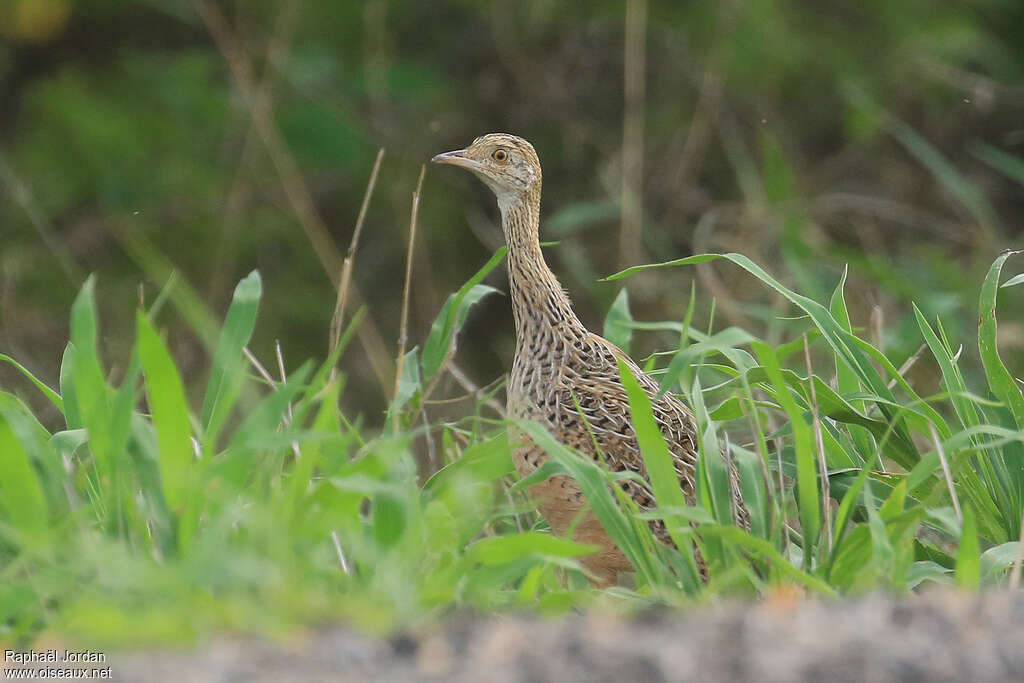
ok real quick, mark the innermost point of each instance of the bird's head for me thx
(507, 164)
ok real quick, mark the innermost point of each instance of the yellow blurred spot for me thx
(38, 21)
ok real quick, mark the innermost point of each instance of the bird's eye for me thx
(499, 155)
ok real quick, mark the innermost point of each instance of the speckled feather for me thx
(558, 360)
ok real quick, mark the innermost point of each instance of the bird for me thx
(566, 377)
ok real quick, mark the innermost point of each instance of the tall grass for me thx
(144, 518)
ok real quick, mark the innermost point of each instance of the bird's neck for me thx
(539, 304)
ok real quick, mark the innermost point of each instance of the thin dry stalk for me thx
(291, 179)
(429, 439)
(782, 483)
(265, 374)
(21, 194)
(905, 368)
(946, 472)
(292, 183)
(877, 322)
(259, 367)
(403, 334)
(280, 369)
(278, 50)
(755, 430)
(1019, 560)
(341, 553)
(819, 445)
(685, 159)
(901, 371)
(290, 415)
(475, 391)
(346, 268)
(631, 231)
(702, 233)
(512, 504)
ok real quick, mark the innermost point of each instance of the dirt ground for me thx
(938, 636)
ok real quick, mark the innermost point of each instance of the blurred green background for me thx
(212, 138)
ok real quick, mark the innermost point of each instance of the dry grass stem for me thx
(292, 183)
(289, 417)
(477, 392)
(907, 364)
(946, 473)
(772, 429)
(403, 334)
(345, 278)
(278, 50)
(819, 446)
(901, 371)
(754, 420)
(710, 281)
(877, 324)
(429, 439)
(259, 367)
(631, 249)
(21, 194)
(342, 560)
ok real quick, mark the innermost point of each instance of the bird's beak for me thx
(456, 158)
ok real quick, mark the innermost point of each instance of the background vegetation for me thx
(172, 148)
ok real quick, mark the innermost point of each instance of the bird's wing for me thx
(591, 388)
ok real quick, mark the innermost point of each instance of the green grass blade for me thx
(185, 298)
(951, 377)
(410, 384)
(845, 513)
(808, 496)
(169, 409)
(625, 532)
(990, 464)
(752, 486)
(72, 413)
(486, 461)
(92, 394)
(737, 536)
(968, 557)
(38, 444)
(654, 450)
(228, 373)
(326, 421)
(618, 324)
(453, 315)
(21, 493)
(265, 419)
(1000, 380)
(846, 379)
(966, 192)
(123, 407)
(845, 346)
(49, 393)
(504, 549)
(655, 453)
(711, 462)
(160, 525)
(997, 559)
(1007, 164)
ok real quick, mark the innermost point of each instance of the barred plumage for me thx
(558, 360)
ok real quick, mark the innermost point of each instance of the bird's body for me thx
(564, 376)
